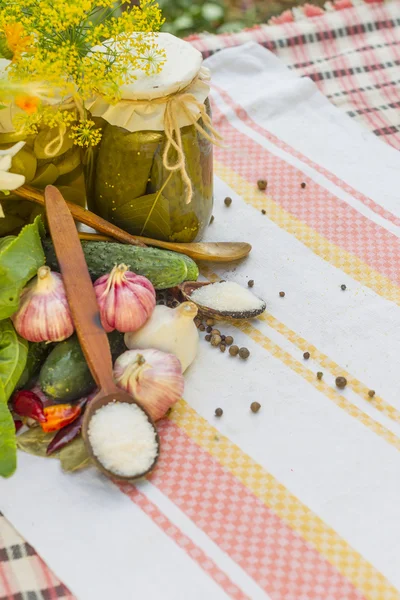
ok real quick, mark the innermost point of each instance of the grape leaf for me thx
(19, 262)
(8, 448)
(147, 215)
(13, 356)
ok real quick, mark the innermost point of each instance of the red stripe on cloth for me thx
(245, 117)
(278, 559)
(184, 542)
(319, 209)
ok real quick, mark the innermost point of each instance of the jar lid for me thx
(182, 64)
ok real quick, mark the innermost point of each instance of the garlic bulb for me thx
(170, 330)
(44, 315)
(126, 300)
(152, 377)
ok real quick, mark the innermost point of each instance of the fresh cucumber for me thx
(65, 375)
(163, 268)
(37, 353)
(192, 268)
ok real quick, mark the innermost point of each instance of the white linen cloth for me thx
(336, 451)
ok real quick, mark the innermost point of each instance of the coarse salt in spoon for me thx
(223, 300)
(109, 446)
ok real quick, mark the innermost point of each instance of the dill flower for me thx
(80, 49)
(85, 134)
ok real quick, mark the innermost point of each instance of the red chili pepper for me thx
(28, 404)
(18, 424)
(65, 435)
(60, 415)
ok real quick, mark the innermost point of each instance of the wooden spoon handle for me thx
(80, 293)
(83, 216)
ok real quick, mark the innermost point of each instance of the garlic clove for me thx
(170, 330)
(151, 377)
(125, 300)
(44, 315)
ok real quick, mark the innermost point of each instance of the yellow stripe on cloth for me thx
(336, 256)
(352, 382)
(289, 508)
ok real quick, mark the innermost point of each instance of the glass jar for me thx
(133, 186)
(65, 168)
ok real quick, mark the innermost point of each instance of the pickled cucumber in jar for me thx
(136, 188)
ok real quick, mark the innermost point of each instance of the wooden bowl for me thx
(95, 405)
(188, 287)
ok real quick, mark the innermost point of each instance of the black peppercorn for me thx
(202, 327)
(209, 329)
(250, 283)
(215, 340)
(219, 412)
(255, 407)
(341, 382)
(228, 201)
(303, 185)
(320, 375)
(262, 184)
(306, 355)
(371, 393)
(263, 211)
(282, 294)
(207, 337)
(343, 287)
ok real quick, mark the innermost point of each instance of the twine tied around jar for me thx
(180, 101)
(174, 103)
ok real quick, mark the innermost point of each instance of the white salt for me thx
(227, 296)
(123, 439)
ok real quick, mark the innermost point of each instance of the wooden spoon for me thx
(209, 251)
(85, 313)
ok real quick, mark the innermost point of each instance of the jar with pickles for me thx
(50, 155)
(154, 169)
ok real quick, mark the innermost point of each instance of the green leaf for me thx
(35, 441)
(8, 448)
(19, 262)
(74, 456)
(147, 215)
(13, 356)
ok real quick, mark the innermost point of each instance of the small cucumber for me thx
(192, 268)
(37, 353)
(163, 268)
(65, 375)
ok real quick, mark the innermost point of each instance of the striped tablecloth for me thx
(298, 502)
(353, 55)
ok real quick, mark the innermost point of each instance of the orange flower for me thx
(28, 103)
(17, 42)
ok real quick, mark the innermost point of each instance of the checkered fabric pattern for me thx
(23, 574)
(353, 55)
